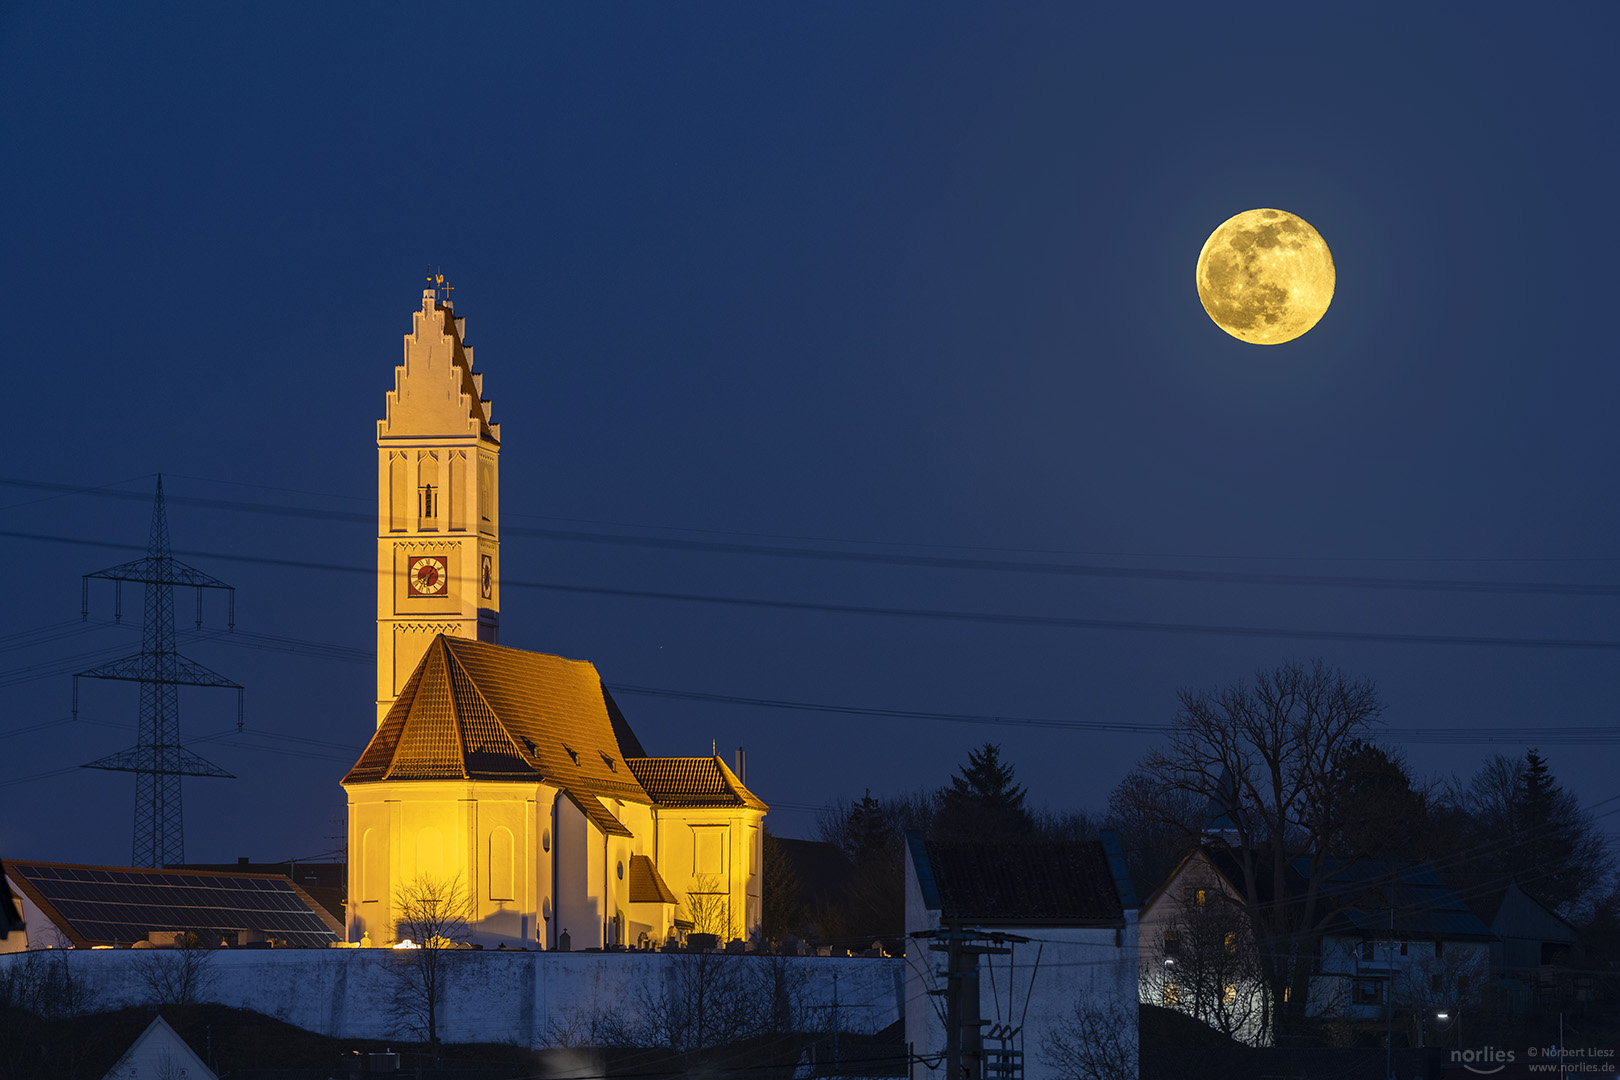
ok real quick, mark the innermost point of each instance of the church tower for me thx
(438, 507)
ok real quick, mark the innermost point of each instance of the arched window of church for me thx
(373, 866)
(428, 494)
(486, 495)
(398, 492)
(430, 852)
(502, 864)
(455, 479)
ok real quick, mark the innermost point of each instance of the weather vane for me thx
(441, 291)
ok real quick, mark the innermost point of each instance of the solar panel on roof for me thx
(106, 906)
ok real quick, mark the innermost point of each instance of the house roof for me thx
(105, 905)
(646, 884)
(1423, 904)
(1002, 884)
(692, 782)
(161, 1043)
(476, 711)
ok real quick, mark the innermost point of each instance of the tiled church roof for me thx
(693, 782)
(477, 711)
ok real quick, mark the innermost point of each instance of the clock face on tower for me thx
(427, 576)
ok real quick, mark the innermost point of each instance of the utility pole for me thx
(157, 759)
(962, 948)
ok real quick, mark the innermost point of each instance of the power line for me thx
(1013, 566)
(812, 539)
(993, 618)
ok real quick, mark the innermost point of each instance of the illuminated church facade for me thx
(512, 775)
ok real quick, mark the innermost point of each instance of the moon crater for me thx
(1265, 276)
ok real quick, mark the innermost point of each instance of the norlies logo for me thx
(1485, 1060)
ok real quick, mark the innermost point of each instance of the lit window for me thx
(1200, 897)
(1229, 994)
(1172, 995)
(1231, 943)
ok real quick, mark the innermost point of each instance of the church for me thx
(511, 774)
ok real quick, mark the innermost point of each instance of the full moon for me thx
(1265, 276)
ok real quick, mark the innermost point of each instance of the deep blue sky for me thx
(918, 277)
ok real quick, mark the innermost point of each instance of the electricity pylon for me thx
(157, 759)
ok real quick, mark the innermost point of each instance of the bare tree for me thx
(705, 1001)
(1097, 1041)
(709, 906)
(433, 913)
(179, 976)
(1267, 756)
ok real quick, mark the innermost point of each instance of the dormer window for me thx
(572, 753)
(612, 765)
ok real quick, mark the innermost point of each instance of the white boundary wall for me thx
(513, 997)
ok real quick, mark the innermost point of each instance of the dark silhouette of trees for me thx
(1095, 1040)
(1380, 812)
(782, 911)
(981, 802)
(1266, 757)
(1524, 826)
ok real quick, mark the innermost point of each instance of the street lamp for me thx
(1443, 1015)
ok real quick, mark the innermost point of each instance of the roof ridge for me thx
(517, 750)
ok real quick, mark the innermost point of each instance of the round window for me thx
(545, 840)
(621, 871)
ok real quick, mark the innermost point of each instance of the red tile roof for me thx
(646, 885)
(692, 782)
(476, 711)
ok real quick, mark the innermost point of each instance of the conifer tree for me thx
(982, 802)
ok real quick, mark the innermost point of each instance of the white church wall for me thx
(490, 837)
(699, 849)
(490, 996)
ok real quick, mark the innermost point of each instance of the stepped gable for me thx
(435, 389)
(476, 711)
(692, 782)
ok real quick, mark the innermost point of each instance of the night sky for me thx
(912, 281)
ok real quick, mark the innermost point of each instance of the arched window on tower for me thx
(455, 483)
(398, 492)
(486, 495)
(427, 490)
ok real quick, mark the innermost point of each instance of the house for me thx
(1394, 935)
(71, 906)
(1196, 950)
(511, 777)
(1534, 955)
(1402, 939)
(161, 1053)
(1004, 942)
